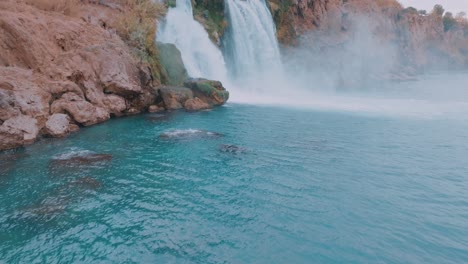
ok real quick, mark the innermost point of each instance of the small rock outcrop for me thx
(198, 94)
(60, 72)
(211, 92)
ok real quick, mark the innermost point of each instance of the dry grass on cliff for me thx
(137, 26)
(67, 7)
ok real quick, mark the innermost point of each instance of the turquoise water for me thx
(300, 187)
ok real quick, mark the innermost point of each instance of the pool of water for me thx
(242, 184)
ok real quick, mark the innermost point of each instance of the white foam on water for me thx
(73, 153)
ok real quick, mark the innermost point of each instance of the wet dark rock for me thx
(9, 159)
(81, 160)
(88, 183)
(58, 200)
(160, 117)
(232, 149)
(45, 210)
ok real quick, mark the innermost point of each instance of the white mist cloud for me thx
(454, 6)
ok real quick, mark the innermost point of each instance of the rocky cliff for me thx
(64, 67)
(421, 39)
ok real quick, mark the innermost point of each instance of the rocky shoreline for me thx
(59, 73)
(68, 64)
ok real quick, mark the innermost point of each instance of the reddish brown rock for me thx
(55, 64)
(175, 97)
(195, 104)
(82, 111)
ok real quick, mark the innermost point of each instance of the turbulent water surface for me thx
(241, 184)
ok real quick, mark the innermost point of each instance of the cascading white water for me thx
(201, 57)
(250, 45)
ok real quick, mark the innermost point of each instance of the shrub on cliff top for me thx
(449, 21)
(438, 10)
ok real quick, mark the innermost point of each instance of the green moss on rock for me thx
(173, 67)
(209, 91)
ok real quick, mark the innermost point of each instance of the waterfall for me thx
(201, 57)
(250, 44)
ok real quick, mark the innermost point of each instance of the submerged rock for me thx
(80, 158)
(232, 149)
(188, 133)
(161, 116)
(60, 198)
(77, 187)
(87, 182)
(8, 161)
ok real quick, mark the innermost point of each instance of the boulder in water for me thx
(8, 160)
(211, 92)
(232, 149)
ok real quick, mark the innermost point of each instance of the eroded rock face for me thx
(56, 69)
(80, 110)
(175, 97)
(195, 104)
